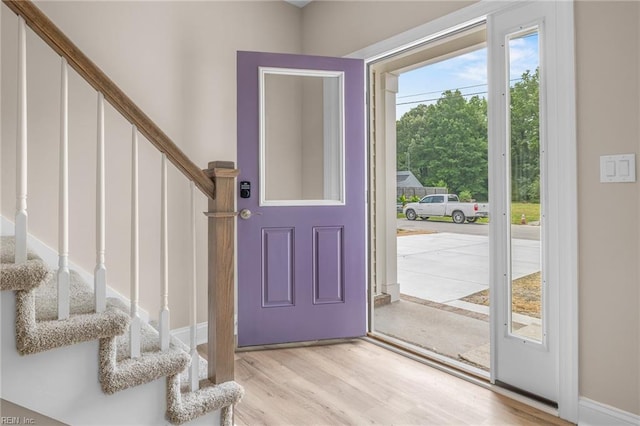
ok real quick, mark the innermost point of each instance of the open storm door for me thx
(301, 231)
(526, 344)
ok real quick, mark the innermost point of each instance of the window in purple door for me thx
(301, 137)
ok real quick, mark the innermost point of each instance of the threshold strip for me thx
(478, 377)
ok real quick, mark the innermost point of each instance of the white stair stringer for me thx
(61, 369)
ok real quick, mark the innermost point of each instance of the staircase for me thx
(70, 352)
(33, 307)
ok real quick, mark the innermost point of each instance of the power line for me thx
(440, 91)
(435, 99)
(534, 34)
(462, 94)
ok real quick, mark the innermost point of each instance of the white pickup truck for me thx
(439, 205)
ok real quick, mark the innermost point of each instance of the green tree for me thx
(447, 142)
(525, 139)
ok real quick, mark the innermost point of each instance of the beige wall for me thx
(294, 137)
(177, 61)
(337, 28)
(608, 74)
(607, 56)
(283, 133)
(313, 139)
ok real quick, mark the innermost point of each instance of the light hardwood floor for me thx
(359, 383)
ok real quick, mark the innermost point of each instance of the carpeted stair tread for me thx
(119, 375)
(184, 376)
(186, 406)
(8, 249)
(24, 276)
(203, 372)
(149, 339)
(38, 336)
(119, 371)
(81, 298)
(38, 330)
(37, 326)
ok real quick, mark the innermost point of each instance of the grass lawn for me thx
(530, 210)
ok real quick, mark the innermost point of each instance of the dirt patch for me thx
(404, 232)
(526, 296)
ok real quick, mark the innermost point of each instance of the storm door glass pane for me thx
(301, 141)
(526, 284)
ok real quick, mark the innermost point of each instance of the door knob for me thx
(246, 214)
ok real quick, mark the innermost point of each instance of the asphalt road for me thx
(522, 232)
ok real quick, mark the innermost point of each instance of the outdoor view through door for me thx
(442, 206)
(525, 284)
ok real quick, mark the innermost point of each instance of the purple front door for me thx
(301, 234)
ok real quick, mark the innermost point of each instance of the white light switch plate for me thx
(618, 168)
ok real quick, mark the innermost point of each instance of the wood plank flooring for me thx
(359, 383)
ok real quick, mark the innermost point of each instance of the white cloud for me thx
(468, 69)
(523, 56)
(427, 83)
(473, 72)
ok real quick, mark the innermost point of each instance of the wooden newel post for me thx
(221, 223)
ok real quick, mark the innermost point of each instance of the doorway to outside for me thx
(440, 307)
(542, 362)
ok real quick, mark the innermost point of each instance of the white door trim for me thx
(568, 393)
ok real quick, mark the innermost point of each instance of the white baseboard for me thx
(593, 413)
(50, 257)
(184, 334)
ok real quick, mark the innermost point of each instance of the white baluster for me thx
(193, 370)
(63, 207)
(100, 273)
(21, 148)
(135, 318)
(164, 259)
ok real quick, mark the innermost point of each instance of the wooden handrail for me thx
(59, 42)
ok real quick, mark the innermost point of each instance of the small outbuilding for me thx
(406, 179)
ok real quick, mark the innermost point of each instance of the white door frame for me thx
(567, 249)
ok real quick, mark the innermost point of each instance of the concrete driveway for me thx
(444, 267)
(520, 232)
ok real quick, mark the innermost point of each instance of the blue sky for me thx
(467, 72)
